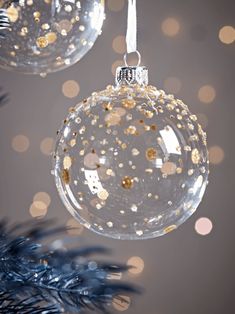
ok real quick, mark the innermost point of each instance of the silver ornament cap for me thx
(129, 75)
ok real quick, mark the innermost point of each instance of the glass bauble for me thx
(48, 35)
(131, 161)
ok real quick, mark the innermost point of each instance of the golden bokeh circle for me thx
(216, 155)
(136, 265)
(115, 65)
(74, 227)
(20, 143)
(70, 89)
(227, 34)
(46, 146)
(115, 5)
(119, 44)
(42, 197)
(170, 27)
(121, 303)
(172, 85)
(207, 94)
(38, 209)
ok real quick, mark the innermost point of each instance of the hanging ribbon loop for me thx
(131, 35)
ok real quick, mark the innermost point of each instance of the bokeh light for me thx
(20, 143)
(42, 197)
(170, 27)
(115, 5)
(38, 209)
(203, 226)
(121, 303)
(70, 89)
(117, 63)
(207, 94)
(227, 34)
(46, 146)
(136, 265)
(119, 44)
(172, 85)
(216, 155)
(75, 228)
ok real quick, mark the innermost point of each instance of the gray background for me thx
(184, 271)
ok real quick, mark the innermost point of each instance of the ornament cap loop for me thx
(138, 56)
(132, 75)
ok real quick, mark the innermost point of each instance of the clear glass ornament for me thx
(131, 161)
(45, 36)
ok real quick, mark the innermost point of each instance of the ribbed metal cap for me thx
(132, 75)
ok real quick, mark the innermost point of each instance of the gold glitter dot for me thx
(153, 127)
(131, 130)
(195, 156)
(36, 16)
(151, 153)
(103, 195)
(67, 162)
(129, 103)
(45, 26)
(135, 152)
(127, 183)
(170, 228)
(12, 14)
(149, 114)
(42, 42)
(51, 37)
(108, 107)
(110, 172)
(65, 176)
(72, 143)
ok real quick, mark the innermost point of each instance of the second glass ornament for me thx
(44, 36)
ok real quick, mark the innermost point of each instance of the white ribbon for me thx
(131, 35)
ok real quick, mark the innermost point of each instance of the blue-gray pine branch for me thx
(34, 278)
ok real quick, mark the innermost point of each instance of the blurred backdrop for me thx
(189, 49)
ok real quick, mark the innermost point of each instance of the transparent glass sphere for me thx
(131, 162)
(48, 35)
